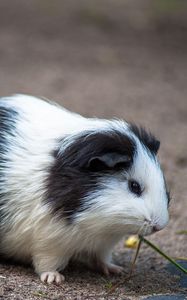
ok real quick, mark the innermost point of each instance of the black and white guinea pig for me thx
(72, 187)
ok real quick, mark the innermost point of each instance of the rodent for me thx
(71, 187)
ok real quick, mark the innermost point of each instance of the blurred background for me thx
(105, 58)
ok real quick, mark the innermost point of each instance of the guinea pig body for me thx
(72, 187)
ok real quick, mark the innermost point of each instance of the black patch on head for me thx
(8, 118)
(168, 194)
(77, 169)
(146, 138)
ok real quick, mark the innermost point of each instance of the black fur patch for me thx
(146, 138)
(8, 118)
(168, 194)
(70, 178)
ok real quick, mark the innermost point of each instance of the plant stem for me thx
(163, 254)
(181, 232)
(135, 257)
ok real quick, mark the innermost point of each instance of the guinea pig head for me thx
(109, 180)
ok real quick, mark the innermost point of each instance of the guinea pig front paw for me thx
(110, 268)
(52, 277)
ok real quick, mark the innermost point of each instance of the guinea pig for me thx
(71, 187)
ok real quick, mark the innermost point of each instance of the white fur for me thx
(31, 233)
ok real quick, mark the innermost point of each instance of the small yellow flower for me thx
(132, 242)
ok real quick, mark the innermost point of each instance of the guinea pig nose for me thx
(156, 228)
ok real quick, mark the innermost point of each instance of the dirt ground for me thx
(105, 58)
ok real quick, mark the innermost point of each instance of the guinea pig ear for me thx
(156, 146)
(108, 161)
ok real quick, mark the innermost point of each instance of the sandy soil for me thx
(106, 58)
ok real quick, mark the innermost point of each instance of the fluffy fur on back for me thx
(71, 187)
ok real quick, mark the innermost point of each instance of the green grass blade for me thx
(163, 254)
(135, 257)
(181, 232)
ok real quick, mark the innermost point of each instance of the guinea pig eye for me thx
(135, 187)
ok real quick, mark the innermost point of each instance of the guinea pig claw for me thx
(52, 277)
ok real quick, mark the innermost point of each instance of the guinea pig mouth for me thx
(149, 228)
(146, 231)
